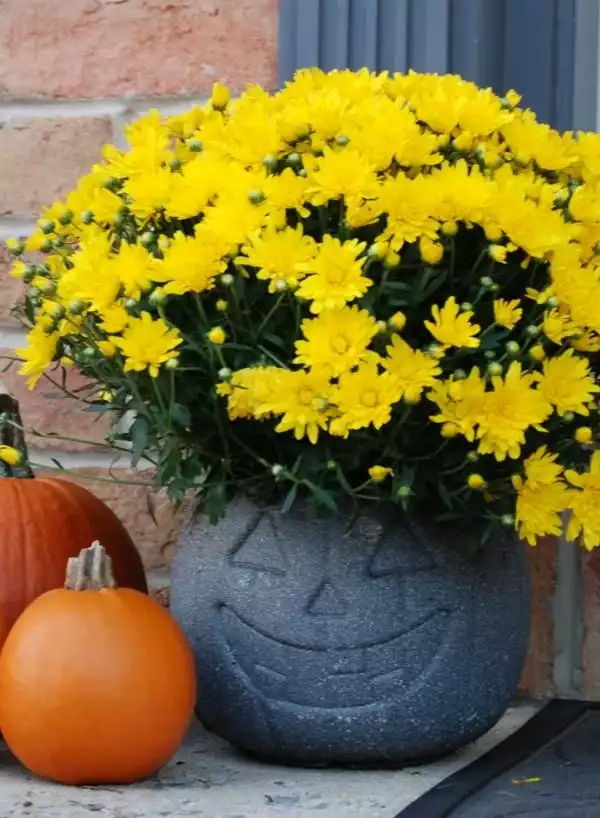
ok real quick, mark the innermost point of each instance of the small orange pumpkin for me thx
(44, 521)
(97, 683)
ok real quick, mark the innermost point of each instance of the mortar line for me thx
(68, 109)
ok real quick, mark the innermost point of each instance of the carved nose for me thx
(327, 601)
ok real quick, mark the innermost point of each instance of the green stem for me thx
(92, 477)
(269, 315)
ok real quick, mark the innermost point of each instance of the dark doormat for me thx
(550, 768)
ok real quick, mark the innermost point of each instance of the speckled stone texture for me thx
(318, 640)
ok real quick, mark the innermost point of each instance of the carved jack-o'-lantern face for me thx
(343, 628)
(314, 643)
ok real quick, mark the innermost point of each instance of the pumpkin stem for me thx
(91, 571)
(12, 435)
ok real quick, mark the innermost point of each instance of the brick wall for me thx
(71, 75)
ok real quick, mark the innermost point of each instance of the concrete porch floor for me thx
(208, 779)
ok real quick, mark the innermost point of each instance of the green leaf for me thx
(139, 434)
(289, 499)
(181, 415)
(214, 504)
(321, 496)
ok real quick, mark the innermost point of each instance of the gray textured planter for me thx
(315, 643)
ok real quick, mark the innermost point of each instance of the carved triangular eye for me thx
(393, 558)
(327, 601)
(261, 549)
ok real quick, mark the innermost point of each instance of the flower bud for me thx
(472, 457)
(220, 96)
(466, 306)
(513, 348)
(172, 364)
(381, 326)
(277, 469)
(431, 252)
(130, 304)
(486, 281)
(15, 246)
(376, 251)
(507, 520)
(476, 482)
(47, 246)
(537, 353)
(76, 307)
(46, 226)
(29, 273)
(342, 140)
(532, 331)
(584, 435)
(216, 336)
(158, 297)
(280, 285)
(397, 321)
(224, 373)
(460, 374)
(568, 417)
(490, 354)
(256, 197)
(66, 218)
(449, 228)
(222, 305)
(57, 311)
(495, 368)
(403, 492)
(147, 238)
(87, 217)
(227, 280)
(270, 162)
(194, 144)
(294, 160)
(88, 353)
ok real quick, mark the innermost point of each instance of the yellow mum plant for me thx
(367, 287)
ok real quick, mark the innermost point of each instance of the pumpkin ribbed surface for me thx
(96, 686)
(43, 522)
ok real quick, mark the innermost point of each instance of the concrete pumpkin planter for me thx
(321, 640)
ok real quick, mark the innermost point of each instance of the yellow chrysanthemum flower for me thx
(557, 326)
(302, 398)
(508, 410)
(541, 497)
(334, 276)
(336, 340)
(568, 384)
(190, 264)
(276, 255)
(147, 344)
(413, 371)
(507, 313)
(363, 398)
(459, 403)
(584, 502)
(451, 327)
(248, 389)
(38, 354)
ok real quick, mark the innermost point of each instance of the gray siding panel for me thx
(546, 49)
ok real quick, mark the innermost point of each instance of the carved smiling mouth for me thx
(364, 674)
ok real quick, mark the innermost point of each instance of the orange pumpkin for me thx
(43, 522)
(97, 683)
